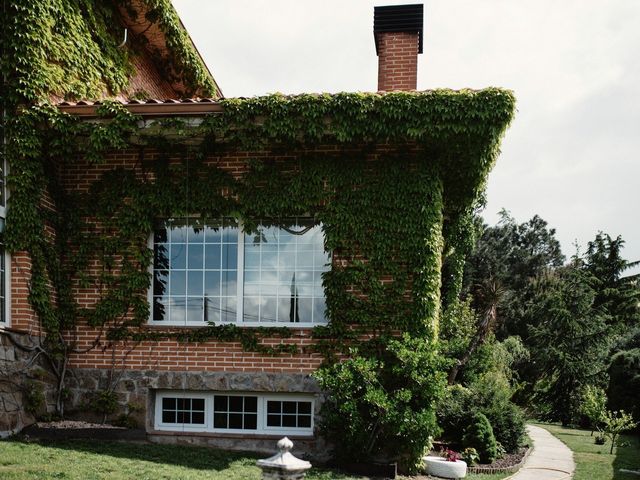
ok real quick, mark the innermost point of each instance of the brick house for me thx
(211, 392)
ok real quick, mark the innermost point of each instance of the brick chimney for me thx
(397, 30)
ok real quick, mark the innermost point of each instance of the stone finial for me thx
(283, 465)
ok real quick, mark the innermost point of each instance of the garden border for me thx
(511, 469)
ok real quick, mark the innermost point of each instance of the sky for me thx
(571, 154)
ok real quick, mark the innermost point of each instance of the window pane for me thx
(235, 404)
(177, 234)
(220, 403)
(304, 408)
(235, 420)
(274, 421)
(195, 235)
(288, 420)
(197, 417)
(178, 282)
(197, 404)
(178, 256)
(178, 311)
(229, 283)
(194, 283)
(304, 421)
(220, 420)
(160, 310)
(187, 279)
(169, 403)
(212, 234)
(168, 417)
(251, 421)
(212, 309)
(282, 277)
(228, 310)
(161, 256)
(212, 283)
(250, 404)
(289, 407)
(212, 259)
(160, 282)
(195, 256)
(273, 407)
(195, 311)
(230, 256)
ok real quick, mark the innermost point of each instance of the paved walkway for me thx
(550, 459)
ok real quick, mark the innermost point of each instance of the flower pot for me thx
(441, 467)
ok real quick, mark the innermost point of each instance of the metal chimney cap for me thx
(399, 18)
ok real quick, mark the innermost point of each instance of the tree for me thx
(617, 295)
(512, 254)
(594, 405)
(624, 375)
(615, 423)
(569, 341)
(489, 295)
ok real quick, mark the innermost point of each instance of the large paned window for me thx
(215, 272)
(227, 412)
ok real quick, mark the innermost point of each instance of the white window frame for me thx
(208, 396)
(239, 297)
(7, 256)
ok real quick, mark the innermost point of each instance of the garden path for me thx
(550, 459)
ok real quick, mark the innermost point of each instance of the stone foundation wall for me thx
(135, 392)
(13, 375)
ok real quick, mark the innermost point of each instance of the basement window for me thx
(234, 412)
(216, 272)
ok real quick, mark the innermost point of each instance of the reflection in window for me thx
(197, 266)
(283, 269)
(195, 272)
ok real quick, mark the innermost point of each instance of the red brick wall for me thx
(147, 81)
(170, 354)
(397, 61)
(207, 356)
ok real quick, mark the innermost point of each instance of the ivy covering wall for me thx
(395, 200)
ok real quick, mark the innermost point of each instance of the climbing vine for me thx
(392, 178)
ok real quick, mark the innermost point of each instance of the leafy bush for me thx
(383, 409)
(615, 423)
(593, 405)
(489, 395)
(479, 435)
(470, 456)
(33, 397)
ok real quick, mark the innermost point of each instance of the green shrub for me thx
(479, 435)
(487, 396)
(470, 456)
(378, 409)
(33, 397)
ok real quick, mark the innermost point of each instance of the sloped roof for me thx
(164, 37)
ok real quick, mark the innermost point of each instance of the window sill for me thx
(293, 326)
(246, 436)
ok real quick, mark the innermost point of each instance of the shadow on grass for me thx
(627, 457)
(200, 458)
(189, 456)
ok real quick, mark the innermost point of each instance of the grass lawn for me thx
(594, 461)
(89, 460)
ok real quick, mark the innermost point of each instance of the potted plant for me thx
(447, 466)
